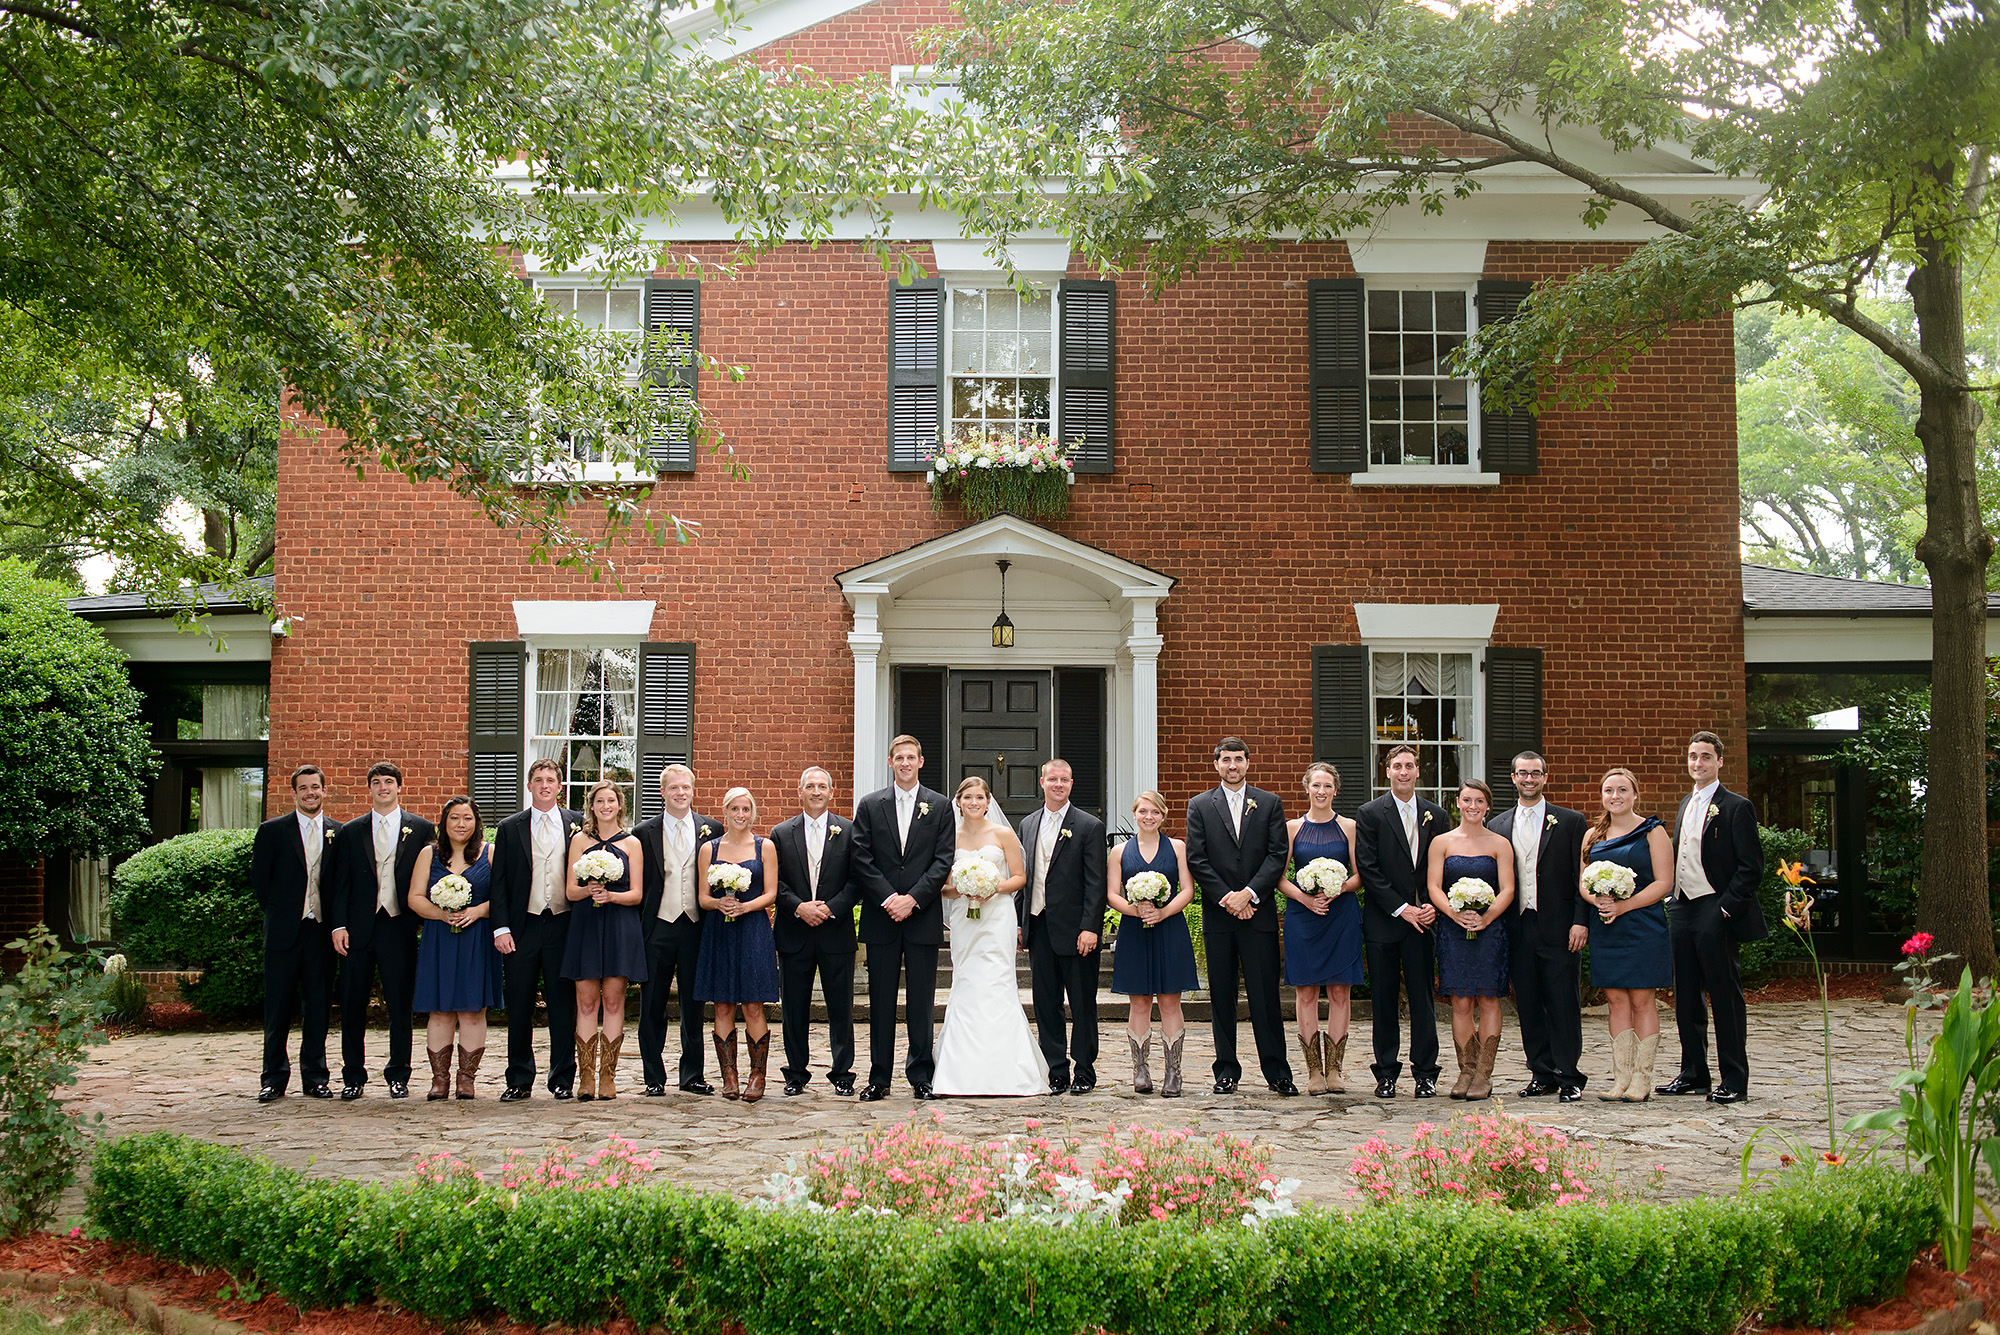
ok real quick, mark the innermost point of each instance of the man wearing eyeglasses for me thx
(1547, 925)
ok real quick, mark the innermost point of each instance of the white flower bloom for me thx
(115, 965)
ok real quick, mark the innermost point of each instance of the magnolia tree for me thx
(1177, 132)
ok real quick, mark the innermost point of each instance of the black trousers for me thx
(1410, 964)
(1056, 980)
(1251, 957)
(835, 970)
(536, 967)
(888, 964)
(1545, 976)
(298, 981)
(1705, 960)
(671, 954)
(391, 953)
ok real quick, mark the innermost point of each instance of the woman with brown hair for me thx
(1472, 941)
(1629, 952)
(458, 971)
(607, 946)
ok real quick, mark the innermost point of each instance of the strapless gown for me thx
(986, 1046)
(1632, 952)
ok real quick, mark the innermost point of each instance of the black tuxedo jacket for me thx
(838, 888)
(918, 869)
(1223, 863)
(278, 876)
(1073, 895)
(513, 860)
(1558, 904)
(652, 837)
(1732, 859)
(352, 905)
(1382, 857)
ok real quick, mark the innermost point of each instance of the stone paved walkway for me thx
(205, 1085)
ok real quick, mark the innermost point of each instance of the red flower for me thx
(1918, 944)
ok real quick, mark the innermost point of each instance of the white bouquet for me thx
(1149, 887)
(1610, 878)
(599, 865)
(1323, 876)
(452, 893)
(728, 878)
(1469, 892)
(978, 880)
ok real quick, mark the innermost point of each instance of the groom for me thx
(1064, 850)
(904, 839)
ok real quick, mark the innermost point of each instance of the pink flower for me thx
(1918, 944)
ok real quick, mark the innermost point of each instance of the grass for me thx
(52, 1314)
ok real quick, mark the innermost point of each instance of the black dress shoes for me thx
(874, 1093)
(1224, 1085)
(349, 1093)
(1083, 1086)
(1682, 1084)
(1285, 1089)
(794, 1088)
(843, 1085)
(318, 1092)
(514, 1094)
(1724, 1094)
(1385, 1089)
(921, 1093)
(653, 1091)
(1538, 1087)
(1427, 1087)
(270, 1094)
(1058, 1084)
(1570, 1094)
(399, 1089)
(696, 1087)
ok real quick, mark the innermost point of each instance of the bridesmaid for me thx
(1322, 935)
(1629, 952)
(1473, 973)
(458, 971)
(607, 947)
(739, 956)
(1155, 954)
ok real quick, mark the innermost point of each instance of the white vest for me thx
(677, 878)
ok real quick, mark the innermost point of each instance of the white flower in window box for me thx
(987, 472)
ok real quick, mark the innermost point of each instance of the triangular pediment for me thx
(1028, 546)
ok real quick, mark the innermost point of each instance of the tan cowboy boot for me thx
(1467, 1058)
(1315, 1070)
(440, 1074)
(1485, 1051)
(1641, 1088)
(586, 1067)
(1170, 1083)
(760, 1058)
(1623, 1048)
(607, 1065)
(1333, 1055)
(468, 1068)
(725, 1060)
(1142, 1078)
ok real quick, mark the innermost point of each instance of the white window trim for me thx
(541, 642)
(990, 278)
(1429, 475)
(1429, 628)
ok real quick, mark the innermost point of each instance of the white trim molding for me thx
(1419, 626)
(553, 623)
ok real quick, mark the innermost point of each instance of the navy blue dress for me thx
(1320, 951)
(739, 960)
(459, 971)
(1633, 951)
(1475, 968)
(607, 942)
(1149, 961)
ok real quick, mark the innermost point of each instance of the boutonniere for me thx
(406, 830)
(330, 834)
(1427, 818)
(1552, 822)
(1249, 804)
(1066, 834)
(1713, 811)
(923, 808)
(707, 831)
(575, 828)
(832, 830)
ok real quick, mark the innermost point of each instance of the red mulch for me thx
(1928, 1287)
(169, 1017)
(1839, 987)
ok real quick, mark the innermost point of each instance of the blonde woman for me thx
(1629, 953)
(607, 945)
(739, 956)
(1155, 955)
(1322, 933)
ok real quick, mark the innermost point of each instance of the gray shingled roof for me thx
(124, 606)
(1770, 591)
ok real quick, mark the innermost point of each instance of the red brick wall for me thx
(20, 903)
(1619, 559)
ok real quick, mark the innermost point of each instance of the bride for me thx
(987, 1047)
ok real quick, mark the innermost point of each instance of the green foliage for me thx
(187, 904)
(74, 758)
(1802, 1252)
(1757, 957)
(125, 997)
(48, 1016)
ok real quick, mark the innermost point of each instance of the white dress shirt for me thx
(815, 832)
(388, 836)
(1690, 881)
(906, 807)
(312, 837)
(1528, 822)
(1045, 849)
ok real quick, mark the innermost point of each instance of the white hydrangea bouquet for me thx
(1614, 879)
(1469, 892)
(598, 866)
(1149, 887)
(1323, 876)
(976, 879)
(990, 471)
(730, 879)
(452, 893)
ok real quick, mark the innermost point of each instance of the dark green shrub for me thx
(48, 1015)
(1759, 956)
(186, 904)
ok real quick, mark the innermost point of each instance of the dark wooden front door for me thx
(998, 727)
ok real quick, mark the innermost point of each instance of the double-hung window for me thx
(664, 313)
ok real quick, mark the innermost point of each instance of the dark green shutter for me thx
(916, 374)
(1513, 715)
(1086, 352)
(1079, 729)
(497, 734)
(666, 717)
(1340, 719)
(1336, 354)
(1506, 439)
(673, 332)
(920, 713)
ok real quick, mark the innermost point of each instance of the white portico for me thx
(1073, 607)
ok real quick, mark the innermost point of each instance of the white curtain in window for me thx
(232, 799)
(90, 899)
(235, 713)
(1423, 674)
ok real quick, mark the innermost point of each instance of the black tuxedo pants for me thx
(536, 966)
(1058, 979)
(888, 964)
(390, 953)
(1409, 964)
(298, 980)
(672, 952)
(1251, 959)
(1545, 976)
(1705, 960)
(835, 970)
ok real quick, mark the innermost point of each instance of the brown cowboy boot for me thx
(468, 1068)
(725, 1060)
(1468, 1054)
(760, 1057)
(1485, 1052)
(440, 1074)
(586, 1067)
(1170, 1083)
(1641, 1087)
(1142, 1077)
(607, 1065)
(1333, 1054)
(1315, 1068)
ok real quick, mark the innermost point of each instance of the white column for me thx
(866, 643)
(1142, 646)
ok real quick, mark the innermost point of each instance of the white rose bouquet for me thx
(1469, 892)
(599, 866)
(729, 879)
(1149, 887)
(978, 880)
(1322, 876)
(452, 893)
(1613, 879)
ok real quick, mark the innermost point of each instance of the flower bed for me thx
(1803, 1252)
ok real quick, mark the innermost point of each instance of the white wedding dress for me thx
(987, 1046)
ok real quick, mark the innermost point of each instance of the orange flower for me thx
(1794, 873)
(1798, 913)
(1832, 1160)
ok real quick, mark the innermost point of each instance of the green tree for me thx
(74, 756)
(1174, 132)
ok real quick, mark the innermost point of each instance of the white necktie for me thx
(546, 852)
(313, 841)
(385, 867)
(1410, 830)
(905, 804)
(1236, 813)
(1045, 849)
(815, 851)
(1527, 845)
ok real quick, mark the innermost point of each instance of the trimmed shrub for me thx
(187, 904)
(1758, 956)
(1799, 1253)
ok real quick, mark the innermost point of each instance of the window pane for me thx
(1419, 403)
(1385, 401)
(1037, 353)
(1419, 444)
(590, 308)
(1382, 310)
(1003, 354)
(1418, 358)
(968, 353)
(1035, 402)
(1384, 445)
(964, 399)
(1451, 311)
(1416, 310)
(560, 298)
(1385, 354)
(626, 307)
(1036, 310)
(1454, 445)
(968, 308)
(1003, 308)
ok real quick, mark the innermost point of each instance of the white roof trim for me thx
(1468, 623)
(1030, 547)
(593, 620)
